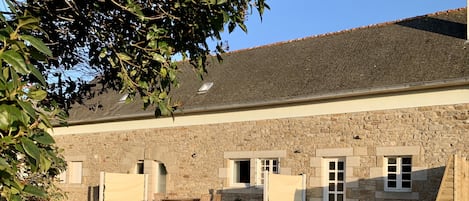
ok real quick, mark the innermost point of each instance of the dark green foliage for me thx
(131, 44)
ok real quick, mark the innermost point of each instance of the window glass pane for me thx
(332, 165)
(267, 162)
(340, 197)
(406, 169)
(392, 161)
(406, 184)
(340, 187)
(331, 187)
(139, 169)
(391, 184)
(406, 160)
(340, 176)
(391, 168)
(340, 165)
(406, 176)
(242, 171)
(274, 169)
(331, 197)
(331, 176)
(392, 176)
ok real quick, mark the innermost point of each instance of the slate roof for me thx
(397, 55)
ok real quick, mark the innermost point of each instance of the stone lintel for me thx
(338, 152)
(256, 154)
(398, 151)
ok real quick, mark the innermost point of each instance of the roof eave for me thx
(288, 101)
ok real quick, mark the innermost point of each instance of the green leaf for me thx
(33, 190)
(10, 5)
(44, 163)
(38, 44)
(219, 2)
(2, 18)
(158, 57)
(163, 108)
(38, 94)
(26, 106)
(35, 72)
(8, 115)
(27, 21)
(7, 140)
(16, 197)
(163, 95)
(124, 56)
(31, 149)
(44, 138)
(4, 164)
(15, 60)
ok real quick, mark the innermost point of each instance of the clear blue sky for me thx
(292, 19)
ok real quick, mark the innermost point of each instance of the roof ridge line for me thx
(382, 24)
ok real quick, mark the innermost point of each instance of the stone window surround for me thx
(327, 171)
(67, 173)
(253, 156)
(379, 173)
(352, 157)
(398, 174)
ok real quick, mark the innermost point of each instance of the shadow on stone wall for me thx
(425, 186)
(363, 189)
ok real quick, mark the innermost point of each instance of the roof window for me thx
(123, 98)
(205, 87)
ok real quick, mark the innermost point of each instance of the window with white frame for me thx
(398, 174)
(241, 172)
(75, 172)
(245, 169)
(269, 165)
(335, 179)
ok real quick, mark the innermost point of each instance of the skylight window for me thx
(123, 98)
(205, 87)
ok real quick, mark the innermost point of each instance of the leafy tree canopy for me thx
(129, 44)
(132, 43)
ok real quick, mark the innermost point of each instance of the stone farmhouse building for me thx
(371, 113)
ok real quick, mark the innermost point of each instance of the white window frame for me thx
(235, 171)
(75, 172)
(399, 174)
(272, 165)
(336, 182)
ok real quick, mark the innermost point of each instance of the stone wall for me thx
(196, 164)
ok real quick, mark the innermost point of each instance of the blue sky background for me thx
(292, 19)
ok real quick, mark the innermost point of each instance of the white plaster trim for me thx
(455, 95)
